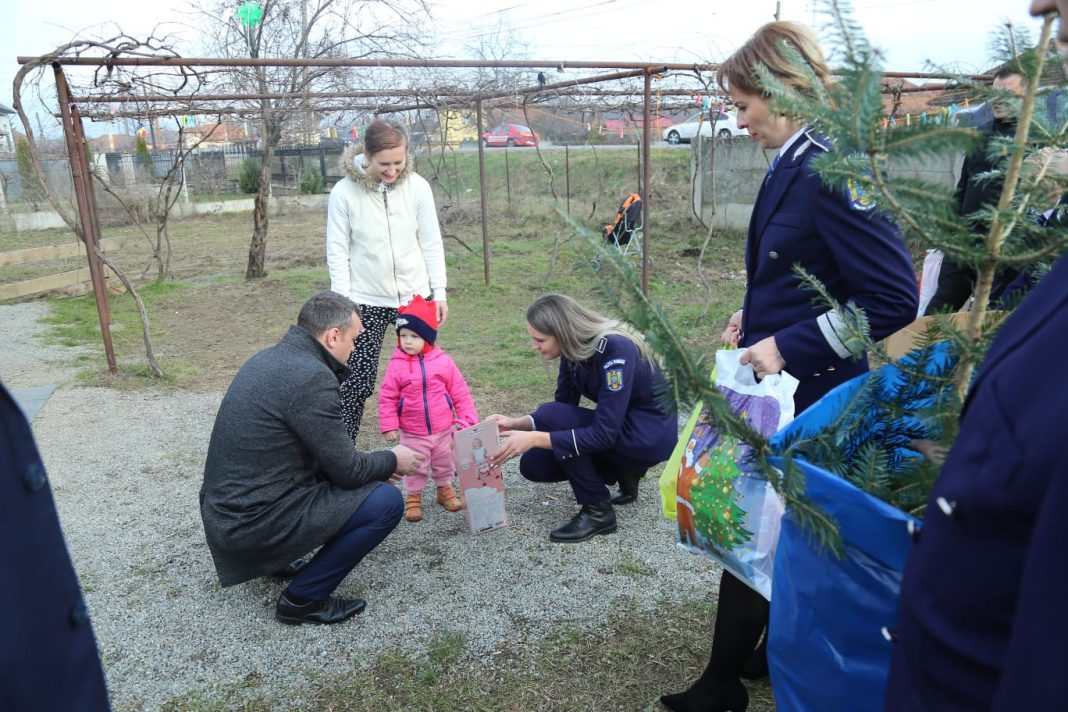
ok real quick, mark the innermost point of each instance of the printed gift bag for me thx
(725, 510)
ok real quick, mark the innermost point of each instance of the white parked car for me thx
(726, 126)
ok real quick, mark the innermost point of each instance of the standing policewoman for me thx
(838, 237)
(628, 432)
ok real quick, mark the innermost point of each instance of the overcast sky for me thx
(913, 33)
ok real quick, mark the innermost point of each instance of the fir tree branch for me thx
(997, 234)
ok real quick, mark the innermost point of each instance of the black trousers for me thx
(363, 365)
(741, 617)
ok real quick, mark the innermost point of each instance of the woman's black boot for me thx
(628, 486)
(741, 617)
(706, 695)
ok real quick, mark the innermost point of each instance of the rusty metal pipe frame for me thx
(482, 193)
(363, 94)
(353, 62)
(414, 63)
(646, 173)
(79, 168)
(234, 111)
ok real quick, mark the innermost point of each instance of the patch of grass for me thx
(137, 376)
(305, 282)
(624, 665)
(633, 568)
(75, 321)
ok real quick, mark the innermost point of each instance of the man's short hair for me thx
(325, 311)
(1008, 69)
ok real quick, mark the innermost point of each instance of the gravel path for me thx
(126, 469)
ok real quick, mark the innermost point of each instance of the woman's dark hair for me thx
(382, 136)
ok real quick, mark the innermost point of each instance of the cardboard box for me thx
(481, 486)
(907, 339)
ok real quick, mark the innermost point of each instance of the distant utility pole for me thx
(778, 6)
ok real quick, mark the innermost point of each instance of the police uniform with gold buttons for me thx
(839, 237)
(984, 598)
(628, 428)
(48, 656)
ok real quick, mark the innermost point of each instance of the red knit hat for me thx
(420, 316)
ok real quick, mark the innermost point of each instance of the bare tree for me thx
(314, 29)
(166, 197)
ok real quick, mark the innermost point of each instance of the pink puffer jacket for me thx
(424, 394)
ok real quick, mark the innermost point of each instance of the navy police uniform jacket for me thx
(629, 419)
(844, 242)
(984, 599)
(48, 656)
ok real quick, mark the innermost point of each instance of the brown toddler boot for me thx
(447, 498)
(413, 507)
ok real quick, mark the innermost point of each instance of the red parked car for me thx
(510, 135)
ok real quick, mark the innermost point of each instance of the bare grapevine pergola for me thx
(71, 118)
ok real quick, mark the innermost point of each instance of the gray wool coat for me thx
(282, 475)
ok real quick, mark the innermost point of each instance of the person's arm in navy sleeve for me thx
(616, 370)
(873, 260)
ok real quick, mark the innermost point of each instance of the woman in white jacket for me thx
(383, 247)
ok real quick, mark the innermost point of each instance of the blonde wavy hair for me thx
(577, 329)
(739, 71)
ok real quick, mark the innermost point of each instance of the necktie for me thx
(771, 169)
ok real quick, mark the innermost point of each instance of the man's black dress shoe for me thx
(332, 610)
(628, 486)
(290, 570)
(592, 519)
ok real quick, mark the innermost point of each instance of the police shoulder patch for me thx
(613, 379)
(859, 197)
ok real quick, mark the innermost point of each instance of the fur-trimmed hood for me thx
(352, 166)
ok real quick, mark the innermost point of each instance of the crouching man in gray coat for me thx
(282, 477)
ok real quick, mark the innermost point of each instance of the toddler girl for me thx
(424, 396)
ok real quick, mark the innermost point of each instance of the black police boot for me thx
(592, 519)
(628, 486)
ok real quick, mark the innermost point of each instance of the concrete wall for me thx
(280, 205)
(740, 165)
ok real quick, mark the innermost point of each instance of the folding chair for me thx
(625, 232)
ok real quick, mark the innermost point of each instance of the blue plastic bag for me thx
(826, 647)
(828, 644)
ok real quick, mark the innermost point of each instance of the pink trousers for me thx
(437, 463)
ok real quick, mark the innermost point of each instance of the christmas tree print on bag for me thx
(725, 509)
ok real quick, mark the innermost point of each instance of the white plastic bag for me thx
(725, 510)
(932, 267)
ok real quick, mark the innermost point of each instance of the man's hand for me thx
(391, 436)
(443, 312)
(764, 357)
(408, 460)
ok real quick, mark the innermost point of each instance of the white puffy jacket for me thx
(383, 243)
